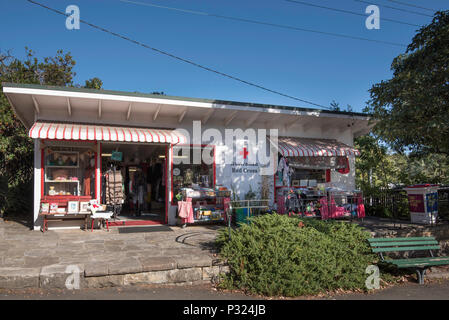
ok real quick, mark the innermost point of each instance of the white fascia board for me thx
(184, 103)
(16, 112)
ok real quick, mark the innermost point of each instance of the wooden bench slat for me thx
(413, 248)
(419, 260)
(400, 239)
(421, 264)
(404, 243)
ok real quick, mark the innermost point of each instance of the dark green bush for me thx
(279, 255)
(16, 200)
(378, 211)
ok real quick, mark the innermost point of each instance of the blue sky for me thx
(310, 66)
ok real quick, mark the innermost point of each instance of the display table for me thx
(63, 217)
(62, 200)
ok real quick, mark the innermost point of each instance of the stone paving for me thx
(32, 258)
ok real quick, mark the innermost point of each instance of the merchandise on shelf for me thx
(69, 171)
(343, 204)
(208, 204)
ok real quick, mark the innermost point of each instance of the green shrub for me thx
(378, 211)
(16, 199)
(281, 255)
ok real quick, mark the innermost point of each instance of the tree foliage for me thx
(412, 107)
(380, 168)
(94, 83)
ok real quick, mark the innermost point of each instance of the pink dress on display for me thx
(185, 211)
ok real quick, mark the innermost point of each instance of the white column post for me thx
(98, 173)
(171, 210)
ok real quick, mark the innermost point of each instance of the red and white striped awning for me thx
(70, 131)
(306, 147)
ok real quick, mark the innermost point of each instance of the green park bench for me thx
(419, 265)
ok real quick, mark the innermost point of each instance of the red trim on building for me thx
(100, 167)
(167, 172)
(43, 171)
(171, 174)
(96, 172)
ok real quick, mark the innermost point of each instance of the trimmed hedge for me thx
(281, 255)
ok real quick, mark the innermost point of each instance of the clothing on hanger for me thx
(89, 173)
(114, 186)
(185, 211)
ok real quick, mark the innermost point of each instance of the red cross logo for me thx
(244, 153)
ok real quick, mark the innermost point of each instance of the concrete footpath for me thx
(434, 290)
(32, 259)
(431, 290)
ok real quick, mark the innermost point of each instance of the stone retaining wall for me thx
(158, 270)
(186, 276)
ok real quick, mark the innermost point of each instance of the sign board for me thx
(117, 156)
(416, 202)
(432, 202)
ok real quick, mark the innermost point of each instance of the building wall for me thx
(241, 183)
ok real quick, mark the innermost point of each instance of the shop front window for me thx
(308, 171)
(69, 171)
(306, 177)
(193, 167)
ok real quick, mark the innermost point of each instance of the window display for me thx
(195, 193)
(308, 171)
(69, 171)
(298, 177)
(188, 174)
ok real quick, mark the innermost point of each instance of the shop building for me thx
(83, 137)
